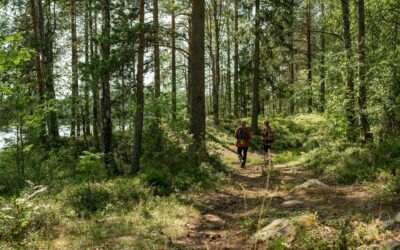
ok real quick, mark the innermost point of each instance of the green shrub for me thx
(26, 215)
(87, 199)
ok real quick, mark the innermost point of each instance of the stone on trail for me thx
(397, 218)
(388, 245)
(276, 199)
(312, 183)
(214, 219)
(292, 203)
(285, 228)
(387, 225)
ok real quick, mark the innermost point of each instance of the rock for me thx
(389, 245)
(312, 183)
(367, 205)
(387, 225)
(279, 227)
(392, 245)
(285, 228)
(214, 219)
(397, 218)
(292, 203)
(277, 199)
(370, 247)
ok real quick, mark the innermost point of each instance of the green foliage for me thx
(348, 163)
(26, 214)
(87, 199)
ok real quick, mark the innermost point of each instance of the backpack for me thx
(270, 135)
(242, 137)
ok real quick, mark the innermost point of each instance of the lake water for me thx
(4, 136)
(10, 137)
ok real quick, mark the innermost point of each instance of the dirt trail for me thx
(229, 215)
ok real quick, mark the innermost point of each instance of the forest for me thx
(121, 121)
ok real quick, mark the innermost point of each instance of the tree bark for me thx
(173, 62)
(137, 141)
(48, 58)
(256, 79)
(309, 57)
(157, 77)
(349, 91)
(94, 79)
(236, 63)
(75, 128)
(362, 99)
(197, 117)
(86, 118)
(228, 63)
(217, 82)
(108, 158)
(322, 63)
(189, 72)
(38, 64)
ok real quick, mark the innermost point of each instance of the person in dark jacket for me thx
(243, 136)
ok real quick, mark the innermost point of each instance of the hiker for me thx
(268, 137)
(242, 135)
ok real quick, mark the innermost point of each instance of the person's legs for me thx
(239, 153)
(244, 156)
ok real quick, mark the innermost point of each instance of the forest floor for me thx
(233, 213)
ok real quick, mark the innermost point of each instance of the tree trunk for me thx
(94, 79)
(48, 58)
(362, 99)
(75, 128)
(309, 57)
(38, 64)
(228, 63)
(216, 12)
(108, 158)
(236, 64)
(173, 62)
(197, 114)
(349, 92)
(189, 73)
(322, 63)
(157, 77)
(137, 141)
(256, 79)
(86, 118)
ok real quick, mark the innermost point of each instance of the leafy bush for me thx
(26, 214)
(349, 163)
(89, 198)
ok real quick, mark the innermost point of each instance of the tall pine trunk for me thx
(48, 58)
(157, 77)
(236, 63)
(86, 117)
(228, 63)
(137, 140)
(197, 114)
(322, 62)
(349, 88)
(108, 158)
(38, 64)
(309, 56)
(94, 79)
(362, 99)
(217, 82)
(256, 79)
(75, 128)
(173, 62)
